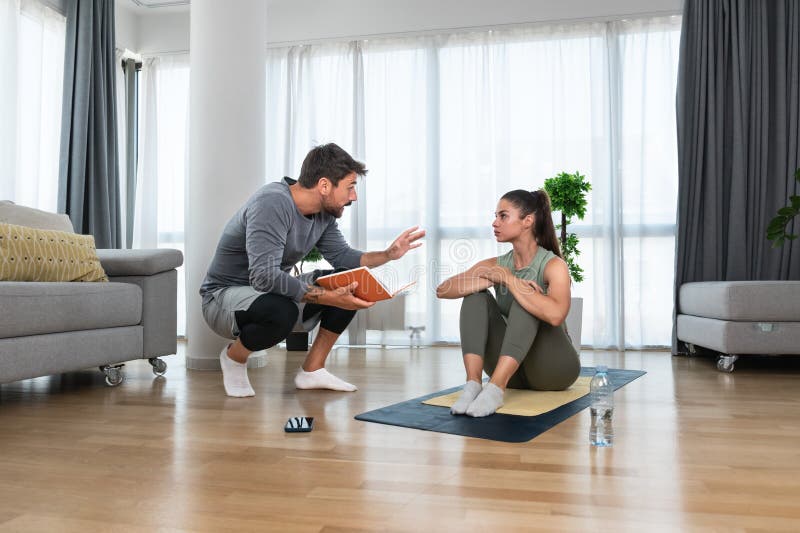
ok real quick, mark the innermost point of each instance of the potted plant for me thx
(776, 231)
(568, 196)
(298, 340)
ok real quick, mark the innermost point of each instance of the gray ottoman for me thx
(740, 317)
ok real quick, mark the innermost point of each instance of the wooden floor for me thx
(696, 449)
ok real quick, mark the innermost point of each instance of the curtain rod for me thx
(468, 29)
(446, 31)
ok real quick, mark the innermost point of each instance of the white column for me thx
(226, 143)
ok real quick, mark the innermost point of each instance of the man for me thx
(248, 293)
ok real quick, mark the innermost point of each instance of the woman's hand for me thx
(535, 286)
(551, 306)
(495, 274)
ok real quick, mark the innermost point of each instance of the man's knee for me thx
(336, 319)
(270, 309)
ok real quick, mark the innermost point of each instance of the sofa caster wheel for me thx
(691, 349)
(159, 366)
(115, 374)
(725, 363)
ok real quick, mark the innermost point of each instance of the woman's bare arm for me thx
(551, 307)
(467, 282)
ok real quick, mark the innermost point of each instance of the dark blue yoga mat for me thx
(506, 428)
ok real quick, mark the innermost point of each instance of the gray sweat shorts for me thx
(220, 306)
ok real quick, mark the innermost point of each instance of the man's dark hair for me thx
(328, 161)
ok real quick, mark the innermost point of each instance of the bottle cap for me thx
(602, 368)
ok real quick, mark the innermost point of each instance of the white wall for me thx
(126, 26)
(163, 32)
(310, 20)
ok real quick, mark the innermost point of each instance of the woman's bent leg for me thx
(481, 328)
(519, 336)
(552, 362)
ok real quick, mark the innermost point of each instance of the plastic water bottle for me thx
(601, 432)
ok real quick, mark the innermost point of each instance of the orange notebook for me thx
(370, 288)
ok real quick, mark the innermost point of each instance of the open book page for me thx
(371, 287)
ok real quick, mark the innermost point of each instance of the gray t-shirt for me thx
(267, 237)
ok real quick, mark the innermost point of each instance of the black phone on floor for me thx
(299, 424)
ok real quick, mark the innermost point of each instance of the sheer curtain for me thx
(32, 62)
(449, 123)
(313, 98)
(162, 166)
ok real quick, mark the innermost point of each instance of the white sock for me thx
(321, 379)
(234, 376)
(468, 393)
(487, 402)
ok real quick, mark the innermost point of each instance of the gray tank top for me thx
(534, 272)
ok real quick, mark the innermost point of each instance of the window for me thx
(447, 124)
(32, 38)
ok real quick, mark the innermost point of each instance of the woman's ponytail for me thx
(543, 229)
(538, 203)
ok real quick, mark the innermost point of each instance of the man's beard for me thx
(336, 211)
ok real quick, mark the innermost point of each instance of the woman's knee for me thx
(476, 303)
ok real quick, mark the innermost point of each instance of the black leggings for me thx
(270, 319)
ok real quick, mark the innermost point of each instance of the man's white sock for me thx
(234, 376)
(321, 379)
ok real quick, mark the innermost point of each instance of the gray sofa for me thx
(50, 328)
(740, 318)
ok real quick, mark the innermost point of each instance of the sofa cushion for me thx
(740, 338)
(38, 308)
(11, 213)
(28, 254)
(777, 301)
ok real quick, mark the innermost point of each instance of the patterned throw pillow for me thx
(28, 254)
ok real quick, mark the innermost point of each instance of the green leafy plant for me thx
(568, 195)
(312, 257)
(776, 230)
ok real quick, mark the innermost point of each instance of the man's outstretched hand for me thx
(405, 242)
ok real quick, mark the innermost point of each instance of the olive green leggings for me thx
(548, 361)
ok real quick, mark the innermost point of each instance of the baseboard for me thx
(256, 360)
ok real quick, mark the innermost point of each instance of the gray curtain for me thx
(738, 114)
(88, 174)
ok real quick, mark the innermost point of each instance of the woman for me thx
(518, 338)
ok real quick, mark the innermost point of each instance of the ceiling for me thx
(157, 6)
(143, 7)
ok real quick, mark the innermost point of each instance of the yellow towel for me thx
(527, 402)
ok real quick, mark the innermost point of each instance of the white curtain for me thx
(163, 155)
(447, 124)
(32, 40)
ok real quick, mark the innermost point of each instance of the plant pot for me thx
(297, 341)
(574, 322)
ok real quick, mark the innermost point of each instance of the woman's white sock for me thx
(321, 379)
(487, 402)
(469, 393)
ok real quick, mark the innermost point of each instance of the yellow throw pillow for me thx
(28, 254)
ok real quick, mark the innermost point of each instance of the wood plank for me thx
(695, 450)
